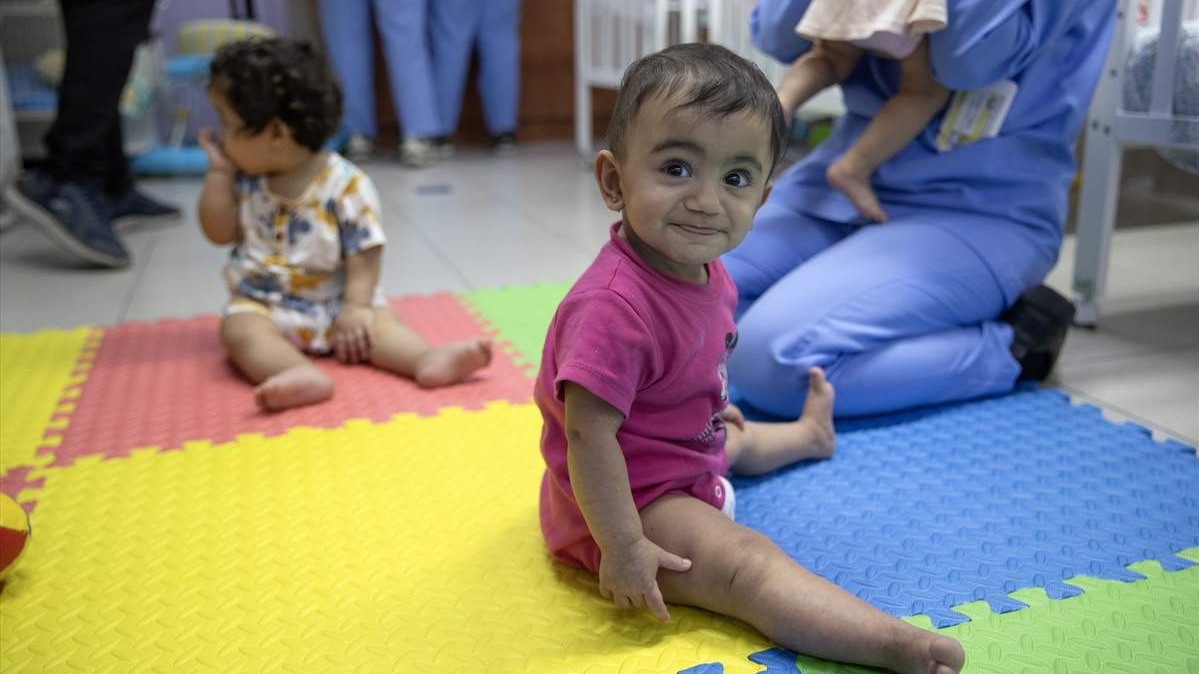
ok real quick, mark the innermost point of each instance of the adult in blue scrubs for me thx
(490, 28)
(403, 29)
(912, 312)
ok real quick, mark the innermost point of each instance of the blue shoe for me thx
(138, 208)
(72, 215)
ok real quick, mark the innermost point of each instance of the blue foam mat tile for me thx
(924, 510)
(776, 660)
(707, 668)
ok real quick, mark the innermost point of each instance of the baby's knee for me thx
(239, 331)
(750, 560)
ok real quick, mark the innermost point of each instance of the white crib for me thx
(1110, 127)
(611, 34)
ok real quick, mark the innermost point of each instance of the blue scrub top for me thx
(1053, 50)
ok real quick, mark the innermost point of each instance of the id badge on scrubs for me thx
(975, 114)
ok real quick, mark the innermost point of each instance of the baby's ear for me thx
(278, 130)
(607, 177)
(766, 192)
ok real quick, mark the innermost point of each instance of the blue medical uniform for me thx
(403, 31)
(904, 313)
(457, 28)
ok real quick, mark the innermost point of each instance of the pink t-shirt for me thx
(653, 347)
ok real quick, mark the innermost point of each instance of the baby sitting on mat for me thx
(307, 238)
(638, 432)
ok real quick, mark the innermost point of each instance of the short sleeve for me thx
(358, 220)
(603, 345)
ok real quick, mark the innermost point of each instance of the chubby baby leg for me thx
(397, 348)
(740, 573)
(284, 376)
(755, 448)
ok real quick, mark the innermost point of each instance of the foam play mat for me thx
(178, 529)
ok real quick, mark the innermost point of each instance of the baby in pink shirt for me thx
(638, 431)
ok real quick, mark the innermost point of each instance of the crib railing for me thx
(1111, 127)
(611, 34)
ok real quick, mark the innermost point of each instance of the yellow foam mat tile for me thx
(411, 545)
(39, 378)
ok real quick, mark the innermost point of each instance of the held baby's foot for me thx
(922, 652)
(450, 363)
(817, 417)
(301, 385)
(856, 187)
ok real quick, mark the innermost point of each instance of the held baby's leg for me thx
(897, 123)
(825, 64)
(741, 573)
(756, 448)
(284, 376)
(397, 348)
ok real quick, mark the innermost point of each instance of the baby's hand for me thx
(352, 332)
(629, 576)
(218, 161)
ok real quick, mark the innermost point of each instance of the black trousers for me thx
(85, 144)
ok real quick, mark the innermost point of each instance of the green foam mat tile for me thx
(520, 315)
(1148, 626)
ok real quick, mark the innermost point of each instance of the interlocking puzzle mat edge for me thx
(199, 396)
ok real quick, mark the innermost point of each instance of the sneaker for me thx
(136, 208)
(1040, 320)
(73, 215)
(502, 143)
(443, 147)
(358, 147)
(416, 152)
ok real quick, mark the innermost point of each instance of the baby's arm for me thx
(217, 208)
(362, 275)
(629, 562)
(352, 332)
(826, 64)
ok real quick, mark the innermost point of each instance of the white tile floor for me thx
(479, 220)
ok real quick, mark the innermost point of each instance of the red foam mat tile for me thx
(17, 480)
(161, 384)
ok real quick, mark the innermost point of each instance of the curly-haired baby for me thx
(306, 232)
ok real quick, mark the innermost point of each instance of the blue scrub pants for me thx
(346, 25)
(457, 28)
(900, 314)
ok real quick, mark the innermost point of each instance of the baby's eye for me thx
(738, 179)
(677, 169)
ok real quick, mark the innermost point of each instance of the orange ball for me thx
(14, 533)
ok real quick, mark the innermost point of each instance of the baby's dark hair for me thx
(279, 78)
(698, 75)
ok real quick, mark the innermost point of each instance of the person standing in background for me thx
(403, 29)
(85, 185)
(490, 28)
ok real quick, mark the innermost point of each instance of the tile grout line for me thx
(137, 280)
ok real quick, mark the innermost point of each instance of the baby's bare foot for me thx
(855, 185)
(922, 652)
(449, 363)
(817, 417)
(300, 385)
